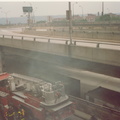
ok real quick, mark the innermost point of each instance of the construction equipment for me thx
(40, 100)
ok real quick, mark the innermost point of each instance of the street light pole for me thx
(108, 10)
(102, 8)
(73, 10)
(6, 16)
(70, 23)
(6, 19)
(82, 10)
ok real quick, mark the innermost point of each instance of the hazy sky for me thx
(14, 9)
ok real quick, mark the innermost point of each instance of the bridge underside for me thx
(45, 66)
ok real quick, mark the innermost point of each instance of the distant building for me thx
(49, 19)
(112, 15)
(91, 18)
(77, 17)
(59, 19)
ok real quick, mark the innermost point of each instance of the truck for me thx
(41, 100)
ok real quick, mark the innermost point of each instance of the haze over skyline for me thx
(14, 9)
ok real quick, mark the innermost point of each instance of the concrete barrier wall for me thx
(106, 56)
(106, 35)
(99, 55)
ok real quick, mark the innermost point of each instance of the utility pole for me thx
(73, 11)
(70, 23)
(102, 8)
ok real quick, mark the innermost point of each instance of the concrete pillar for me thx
(1, 62)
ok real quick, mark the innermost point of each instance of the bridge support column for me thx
(1, 61)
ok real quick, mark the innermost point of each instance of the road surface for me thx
(8, 32)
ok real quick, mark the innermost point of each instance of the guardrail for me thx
(58, 40)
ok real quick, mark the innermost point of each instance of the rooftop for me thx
(106, 95)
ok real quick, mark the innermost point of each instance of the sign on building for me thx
(67, 14)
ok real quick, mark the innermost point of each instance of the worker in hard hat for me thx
(10, 114)
(21, 114)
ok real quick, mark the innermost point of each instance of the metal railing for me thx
(59, 40)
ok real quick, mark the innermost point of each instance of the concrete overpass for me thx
(109, 54)
(41, 57)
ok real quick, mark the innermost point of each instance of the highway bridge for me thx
(101, 52)
(48, 58)
(38, 56)
(102, 57)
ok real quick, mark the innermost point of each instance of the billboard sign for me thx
(27, 9)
